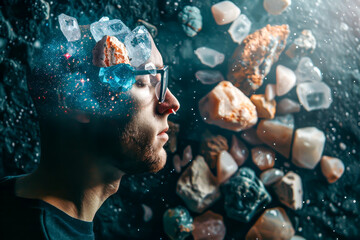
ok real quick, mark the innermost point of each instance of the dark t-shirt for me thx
(22, 218)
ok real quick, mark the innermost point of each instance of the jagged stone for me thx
(210, 148)
(264, 108)
(289, 190)
(238, 151)
(226, 167)
(178, 223)
(209, 225)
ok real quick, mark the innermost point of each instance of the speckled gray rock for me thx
(245, 195)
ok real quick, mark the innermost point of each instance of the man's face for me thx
(141, 142)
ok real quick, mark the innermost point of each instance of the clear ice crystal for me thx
(307, 72)
(314, 95)
(209, 76)
(69, 27)
(113, 27)
(120, 77)
(138, 45)
(240, 28)
(151, 67)
(209, 57)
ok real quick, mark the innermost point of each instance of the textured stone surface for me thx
(287, 105)
(271, 176)
(290, 191)
(227, 107)
(273, 224)
(264, 108)
(277, 133)
(209, 225)
(225, 12)
(245, 195)
(178, 223)
(307, 147)
(226, 167)
(197, 186)
(252, 60)
(332, 168)
(285, 80)
(238, 150)
(210, 148)
(263, 157)
(305, 44)
(191, 20)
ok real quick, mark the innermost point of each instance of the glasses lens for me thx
(164, 83)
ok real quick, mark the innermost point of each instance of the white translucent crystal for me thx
(113, 27)
(209, 76)
(276, 7)
(307, 72)
(270, 92)
(209, 57)
(226, 166)
(307, 147)
(240, 28)
(69, 27)
(271, 176)
(225, 12)
(285, 80)
(314, 95)
(138, 45)
(303, 45)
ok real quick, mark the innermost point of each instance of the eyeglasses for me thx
(161, 86)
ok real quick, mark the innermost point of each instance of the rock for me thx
(332, 168)
(152, 29)
(297, 238)
(69, 27)
(227, 107)
(264, 109)
(277, 133)
(174, 129)
(270, 92)
(238, 151)
(226, 167)
(138, 44)
(287, 105)
(197, 187)
(148, 213)
(209, 76)
(307, 72)
(307, 147)
(225, 12)
(314, 95)
(210, 148)
(108, 27)
(191, 20)
(250, 136)
(289, 190)
(273, 224)
(271, 176)
(177, 163)
(305, 44)
(253, 58)
(263, 157)
(240, 28)
(244, 195)
(187, 156)
(109, 51)
(209, 57)
(119, 77)
(209, 225)
(276, 7)
(285, 80)
(178, 223)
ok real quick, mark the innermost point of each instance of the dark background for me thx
(329, 212)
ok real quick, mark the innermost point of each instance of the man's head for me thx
(124, 128)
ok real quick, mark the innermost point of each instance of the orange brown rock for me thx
(264, 108)
(332, 168)
(210, 148)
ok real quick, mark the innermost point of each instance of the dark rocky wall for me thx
(329, 212)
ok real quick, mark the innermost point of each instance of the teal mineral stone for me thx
(191, 20)
(178, 223)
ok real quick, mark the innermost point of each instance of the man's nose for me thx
(170, 102)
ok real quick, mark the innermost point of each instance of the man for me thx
(84, 154)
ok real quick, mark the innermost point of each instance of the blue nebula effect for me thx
(120, 77)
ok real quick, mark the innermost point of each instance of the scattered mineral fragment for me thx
(277, 133)
(307, 72)
(238, 151)
(271, 176)
(276, 7)
(187, 156)
(226, 167)
(297, 238)
(209, 225)
(108, 27)
(263, 157)
(177, 163)
(250, 136)
(69, 27)
(209, 57)
(305, 44)
(191, 20)
(240, 28)
(332, 168)
(210, 148)
(138, 44)
(253, 58)
(314, 95)
(273, 224)
(287, 105)
(264, 108)
(285, 80)
(289, 190)
(244, 195)
(225, 12)
(270, 92)
(109, 51)
(227, 107)
(209, 76)
(178, 223)
(148, 213)
(307, 147)
(197, 187)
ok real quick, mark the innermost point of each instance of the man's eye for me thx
(140, 83)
